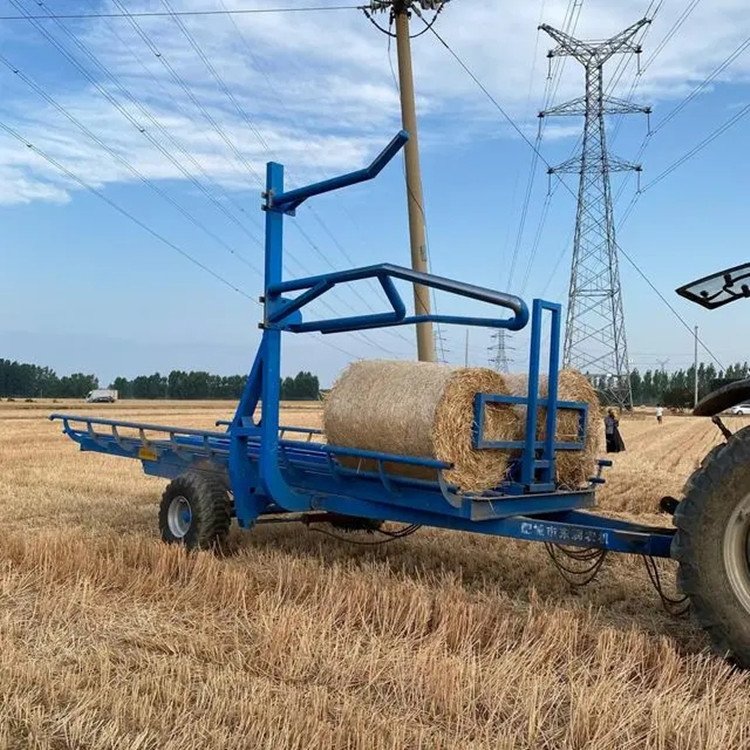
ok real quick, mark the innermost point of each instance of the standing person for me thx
(659, 413)
(615, 443)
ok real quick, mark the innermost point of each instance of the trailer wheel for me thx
(195, 511)
(712, 546)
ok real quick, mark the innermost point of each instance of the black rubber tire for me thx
(210, 506)
(701, 520)
(704, 462)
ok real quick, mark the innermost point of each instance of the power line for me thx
(274, 91)
(87, 186)
(163, 14)
(553, 83)
(489, 96)
(668, 36)
(710, 77)
(712, 136)
(242, 112)
(125, 163)
(679, 317)
(142, 130)
(154, 233)
(225, 138)
(699, 146)
(723, 65)
(132, 120)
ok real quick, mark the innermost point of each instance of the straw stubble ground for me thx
(108, 639)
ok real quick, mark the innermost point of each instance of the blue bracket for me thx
(288, 201)
(482, 443)
(537, 464)
(280, 310)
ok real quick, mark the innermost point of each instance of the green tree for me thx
(123, 387)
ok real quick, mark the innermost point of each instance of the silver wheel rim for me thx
(737, 551)
(179, 516)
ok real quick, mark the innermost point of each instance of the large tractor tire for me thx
(710, 456)
(712, 546)
(195, 511)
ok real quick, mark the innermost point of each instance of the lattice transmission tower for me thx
(595, 341)
(499, 358)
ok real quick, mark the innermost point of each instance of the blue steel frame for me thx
(269, 474)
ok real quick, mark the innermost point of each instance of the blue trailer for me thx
(256, 470)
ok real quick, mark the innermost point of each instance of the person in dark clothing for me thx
(615, 443)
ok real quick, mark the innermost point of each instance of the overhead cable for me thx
(197, 12)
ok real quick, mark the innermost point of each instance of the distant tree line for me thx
(21, 380)
(675, 389)
(203, 385)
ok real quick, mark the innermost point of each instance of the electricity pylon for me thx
(500, 361)
(595, 341)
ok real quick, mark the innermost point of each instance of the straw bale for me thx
(421, 409)
(573, 467)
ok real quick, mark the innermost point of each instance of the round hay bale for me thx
(421, 409)
(573, 468)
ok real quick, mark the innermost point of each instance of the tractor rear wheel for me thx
(704, 462)
(195, 511)
(712, 546)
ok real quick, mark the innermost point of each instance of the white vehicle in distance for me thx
(104, 396)
(740, 410)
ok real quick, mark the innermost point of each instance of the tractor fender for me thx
(723, 398)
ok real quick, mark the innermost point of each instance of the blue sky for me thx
(84, 288)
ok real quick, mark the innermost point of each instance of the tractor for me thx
(712, 543)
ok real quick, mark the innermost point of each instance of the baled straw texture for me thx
(574, 468)
(421, 409)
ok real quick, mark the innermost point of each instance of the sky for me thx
(160, 130)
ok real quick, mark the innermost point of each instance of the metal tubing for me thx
(529, 453)
(269, 474)
(395, 458)
(552, 386)
(315, 286)
(288, 201)
(134, 425)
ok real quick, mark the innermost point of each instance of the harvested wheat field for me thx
(110, 639)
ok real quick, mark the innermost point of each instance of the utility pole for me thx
(466, 349)
(595, 327)
(400, 12)
(695, 368)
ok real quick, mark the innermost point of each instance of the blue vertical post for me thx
(552, 389)
(532, 408)
(271, 389)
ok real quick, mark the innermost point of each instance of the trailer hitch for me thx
(725, 431)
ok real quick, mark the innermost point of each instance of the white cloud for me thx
(318, 87)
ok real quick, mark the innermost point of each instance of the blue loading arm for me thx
(288, 201)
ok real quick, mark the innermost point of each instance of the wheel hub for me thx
(179, 516)
(737, 552)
